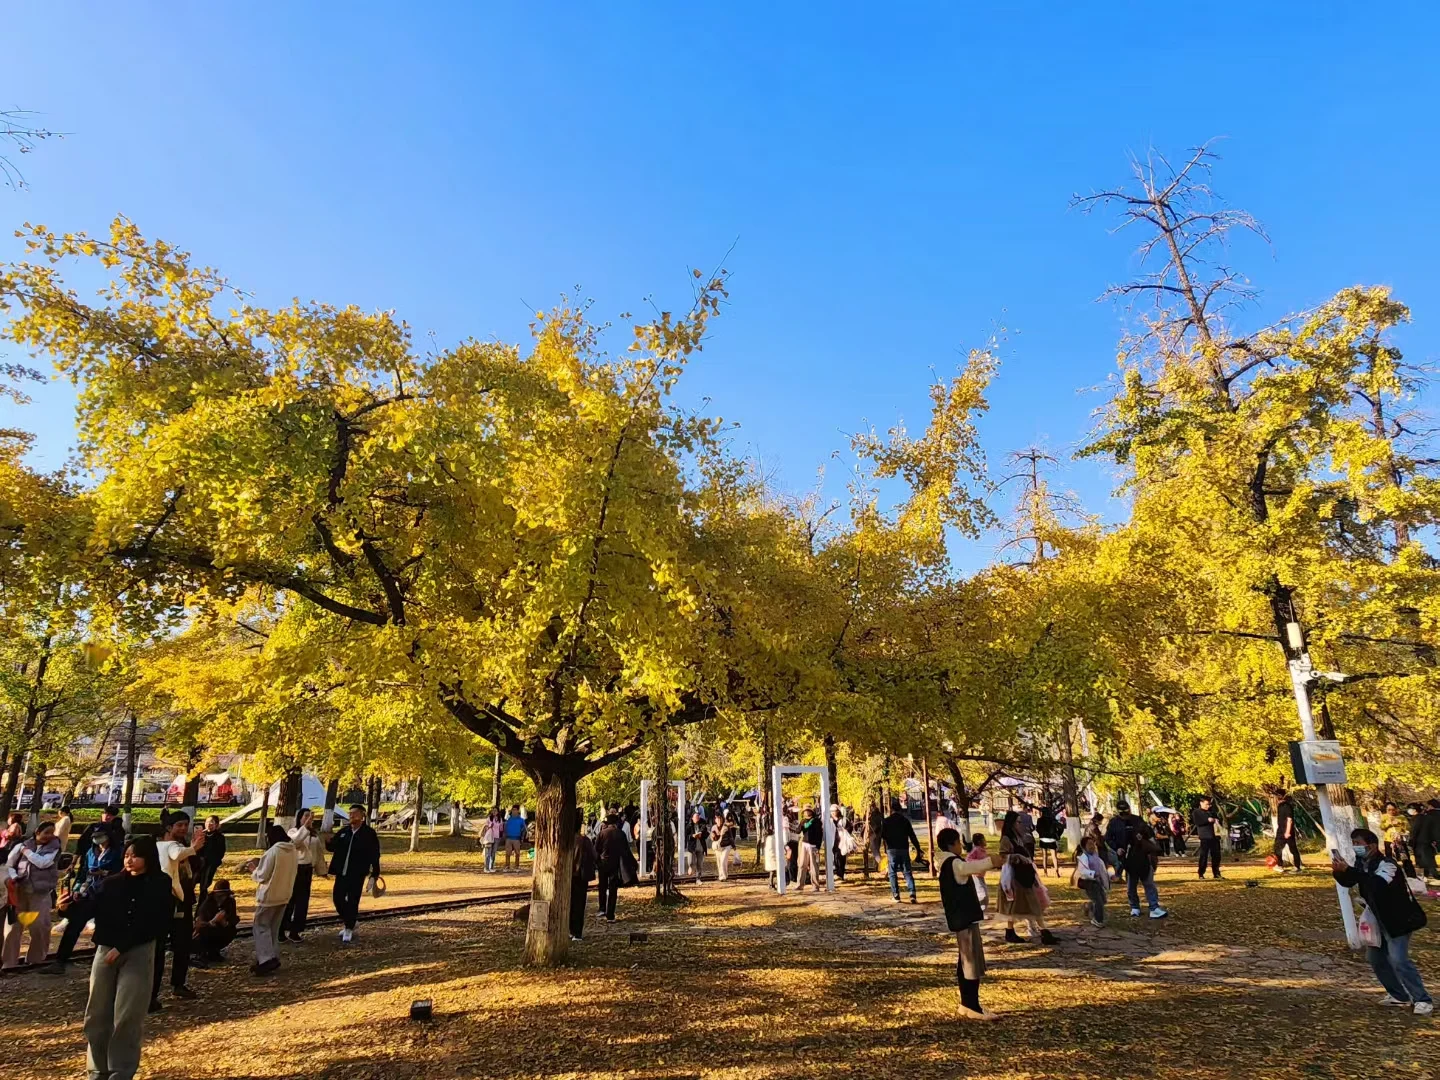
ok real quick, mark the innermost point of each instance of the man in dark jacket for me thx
(1205, 823)
(899, 837)
(1285, 836)
(212, 854)
(354, 856)
(584, 874)
(611, 855)
(1384, 890)
(1425, 837)
(109, 821)
(1118, 832)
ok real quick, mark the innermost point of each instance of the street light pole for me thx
(1301, 675)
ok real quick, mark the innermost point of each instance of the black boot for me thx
(1012, 937)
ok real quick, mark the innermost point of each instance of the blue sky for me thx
(894, 179)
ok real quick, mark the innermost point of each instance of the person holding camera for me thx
(104, 859)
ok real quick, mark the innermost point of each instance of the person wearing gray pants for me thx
(132, 912)
(115, 1015)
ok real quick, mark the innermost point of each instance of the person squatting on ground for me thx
(216, 923)
(1385, 892)
(354, 857)
(132, 917)
(899, 839)
(963, 915)
(274, 874)
(33, 875)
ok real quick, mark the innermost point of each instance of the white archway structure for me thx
(777, 803)
(679, 823)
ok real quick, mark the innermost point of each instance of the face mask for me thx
(97, 840)
(1361, 850)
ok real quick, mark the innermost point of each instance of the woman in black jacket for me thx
(132, 913)
(1384, 890)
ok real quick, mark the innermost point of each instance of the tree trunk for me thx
(457, 818)
(662, 850)
(37, 797)
(190, 794)
(332, 795)
(290, 791)
(129, 808)
(12, 781)
(495, 783)
(834, 770)
(547, 935)
(264, 816)
(419, 810)
(929, 823)
(1070, 789)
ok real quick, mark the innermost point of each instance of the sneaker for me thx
(1097, 924)
(347, 936)
(184, 993)
(1134, 912)
(293, 937)
(574, 938)
(1424, 1008)
(56, 968)
(895, 898)
(1158, 913)
(912, 898)
(1390, 999)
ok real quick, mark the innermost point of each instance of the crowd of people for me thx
(146, 897)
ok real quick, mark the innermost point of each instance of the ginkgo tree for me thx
(1278, 477)
(537, 542)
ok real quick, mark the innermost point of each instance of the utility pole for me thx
(1302, 674)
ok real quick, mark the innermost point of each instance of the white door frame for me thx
(777, 802)
(679, 823)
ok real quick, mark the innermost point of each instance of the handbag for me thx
(375, 887)
(1370, 928)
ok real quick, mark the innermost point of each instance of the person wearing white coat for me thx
(274, 874)
(309, 854)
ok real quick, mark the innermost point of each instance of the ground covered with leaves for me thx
(742, 985)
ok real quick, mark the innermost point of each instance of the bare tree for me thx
(22, 135)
